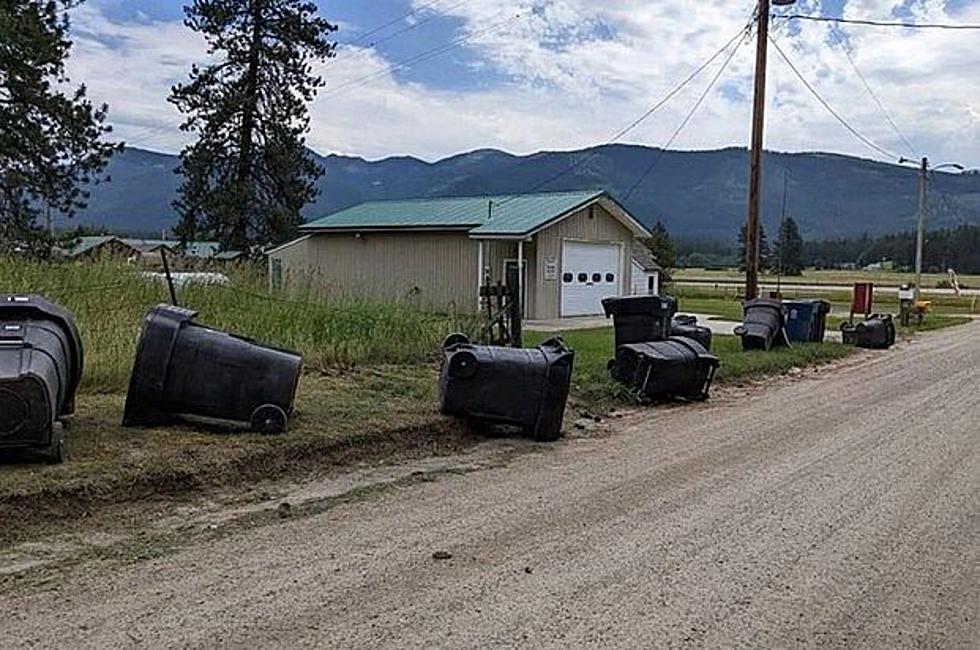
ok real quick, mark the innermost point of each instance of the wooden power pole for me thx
(755, 166)
(920, 231)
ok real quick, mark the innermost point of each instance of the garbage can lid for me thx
(654, 305)
(32, 306)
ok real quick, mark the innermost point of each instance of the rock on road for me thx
(842, 509)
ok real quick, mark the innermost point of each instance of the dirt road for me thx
(838, 509)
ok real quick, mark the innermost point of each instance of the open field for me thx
(829, 277)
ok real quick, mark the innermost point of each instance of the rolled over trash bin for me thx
(527, 388)
(186, 369)
(41, 363)
(806, 320)
(640, 318)
(687, 326)
(679, 367)
(763, 325)
(876, 332)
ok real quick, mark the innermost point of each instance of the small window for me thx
(610, 277)
(597, 277)
(583, 277)
(567, 277)
(650, 286)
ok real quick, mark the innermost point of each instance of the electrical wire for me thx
(395, 21)
(423, 56)
(683, 124)
(860, 136)
(638, 121)
(901, 136)
(875, 23)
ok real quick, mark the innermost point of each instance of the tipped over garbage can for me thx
(640, 318)
(678, 367)
(186, 369)
(763, 325)
(806, 320)
(687, 326)
(527, 388)
(40, 367)
(876, 332)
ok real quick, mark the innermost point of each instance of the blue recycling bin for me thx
(806, 320)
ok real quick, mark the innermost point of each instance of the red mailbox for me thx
(862, 300)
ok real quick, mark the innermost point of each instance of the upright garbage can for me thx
(687, 326)
(183, 368)
(806, 320)
(527, 388)
(876, 332)
(41, 363)
(640, 318)
(763, 325)
(679, 367)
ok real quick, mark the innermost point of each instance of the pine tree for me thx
(249, 174)
(662, 247)
(51, 142)
(765, 253)
(789, 248)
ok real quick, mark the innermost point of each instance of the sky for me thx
(432, 78)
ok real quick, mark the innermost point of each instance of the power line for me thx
(830, 109)
(638, 121)
(840, 41)
(875, 23)
(395, 21)
(374, 44)
(423, 56)
(683, 124)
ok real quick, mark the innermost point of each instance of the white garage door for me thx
(590, 272)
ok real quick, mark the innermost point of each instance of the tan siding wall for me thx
(603, 227)
(435, 270)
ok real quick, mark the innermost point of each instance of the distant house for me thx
(646, 272)
(574, 249)
(146, 252)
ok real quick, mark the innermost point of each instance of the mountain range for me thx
(697, 194)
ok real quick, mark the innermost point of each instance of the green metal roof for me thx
(481, 216)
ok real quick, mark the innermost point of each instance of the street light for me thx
(924, 170)
(755, 151)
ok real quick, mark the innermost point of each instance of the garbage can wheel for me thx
(55, 454)
(268, 419)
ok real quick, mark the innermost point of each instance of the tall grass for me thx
(109, 302)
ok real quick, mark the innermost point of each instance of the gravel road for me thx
(837, 509)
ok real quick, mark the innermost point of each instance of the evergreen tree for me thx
(662, 247)
(50, 136)
(249, 174)
(789, 248)
(764, 251)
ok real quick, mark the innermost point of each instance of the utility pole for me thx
(920, 230)
(755, 165)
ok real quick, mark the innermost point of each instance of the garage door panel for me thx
(590, 272)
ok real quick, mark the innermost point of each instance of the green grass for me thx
(110, 301)
(830, 277)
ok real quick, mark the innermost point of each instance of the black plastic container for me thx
(527, 388)
(640, 318)
(679, 367)
(687, 326)
(806, 320)
(183, 368)
(41, 363)
(763, 325)
(877, 332)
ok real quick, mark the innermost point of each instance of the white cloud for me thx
(579, 70)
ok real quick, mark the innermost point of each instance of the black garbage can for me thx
(640, 318)
(527, 388)
(806, 320)
(679, 367)
(183, 368)
(687, 326)
(41, 363)
(763, 325)
(877, 332)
